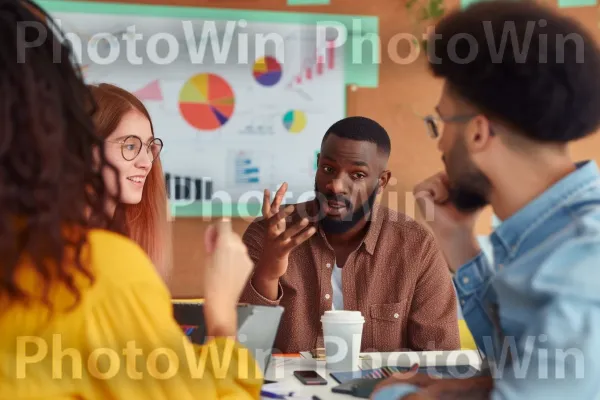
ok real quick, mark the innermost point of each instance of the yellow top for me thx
(120, 340)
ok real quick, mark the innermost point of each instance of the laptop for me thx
(257, 327)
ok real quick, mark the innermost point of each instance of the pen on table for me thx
(271, 395)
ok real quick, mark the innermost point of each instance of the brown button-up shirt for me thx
(397, 278)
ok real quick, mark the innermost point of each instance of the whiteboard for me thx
(231, 126)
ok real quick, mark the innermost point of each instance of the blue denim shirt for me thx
(535, 312)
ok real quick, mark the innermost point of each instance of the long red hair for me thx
(147, 222)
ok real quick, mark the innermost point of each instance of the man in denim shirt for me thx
(507, 120)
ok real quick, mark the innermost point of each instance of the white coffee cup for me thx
(342, 334)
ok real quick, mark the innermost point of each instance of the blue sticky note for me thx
(308, 2)
(576, 3)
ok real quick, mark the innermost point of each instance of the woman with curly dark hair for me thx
(83, 313)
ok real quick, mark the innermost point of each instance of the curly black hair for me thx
(547, 91)
(51, 187)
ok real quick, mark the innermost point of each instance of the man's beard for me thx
(350, 219)
(469, 190)
(465, 199)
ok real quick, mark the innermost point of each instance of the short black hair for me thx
(548, 93)
(362, 129)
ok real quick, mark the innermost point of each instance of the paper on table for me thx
(309, 355)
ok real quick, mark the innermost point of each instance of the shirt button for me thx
(327, 296)
(462, 302)
(466, 280)
(396, 315)
(500, 266)
(328, 265)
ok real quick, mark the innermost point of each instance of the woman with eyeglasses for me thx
(131, 147)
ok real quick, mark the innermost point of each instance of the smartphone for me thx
(310, 378)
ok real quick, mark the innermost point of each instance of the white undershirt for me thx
(336, 284)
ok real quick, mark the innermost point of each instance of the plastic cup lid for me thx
(342, 316)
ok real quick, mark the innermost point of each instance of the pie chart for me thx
(206, 101)
(294, 121)
(267, 71)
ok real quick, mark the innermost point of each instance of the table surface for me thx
(281, 369)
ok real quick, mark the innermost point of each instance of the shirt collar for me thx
(511, 232)
(372, 235)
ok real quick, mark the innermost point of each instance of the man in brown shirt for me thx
(341, 250)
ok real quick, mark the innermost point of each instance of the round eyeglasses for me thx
(132, 145)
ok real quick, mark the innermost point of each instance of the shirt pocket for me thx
(388, 325)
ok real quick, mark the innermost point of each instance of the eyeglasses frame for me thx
(122, 143)
(431, 126)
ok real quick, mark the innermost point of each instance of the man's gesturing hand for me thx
(281, 238)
